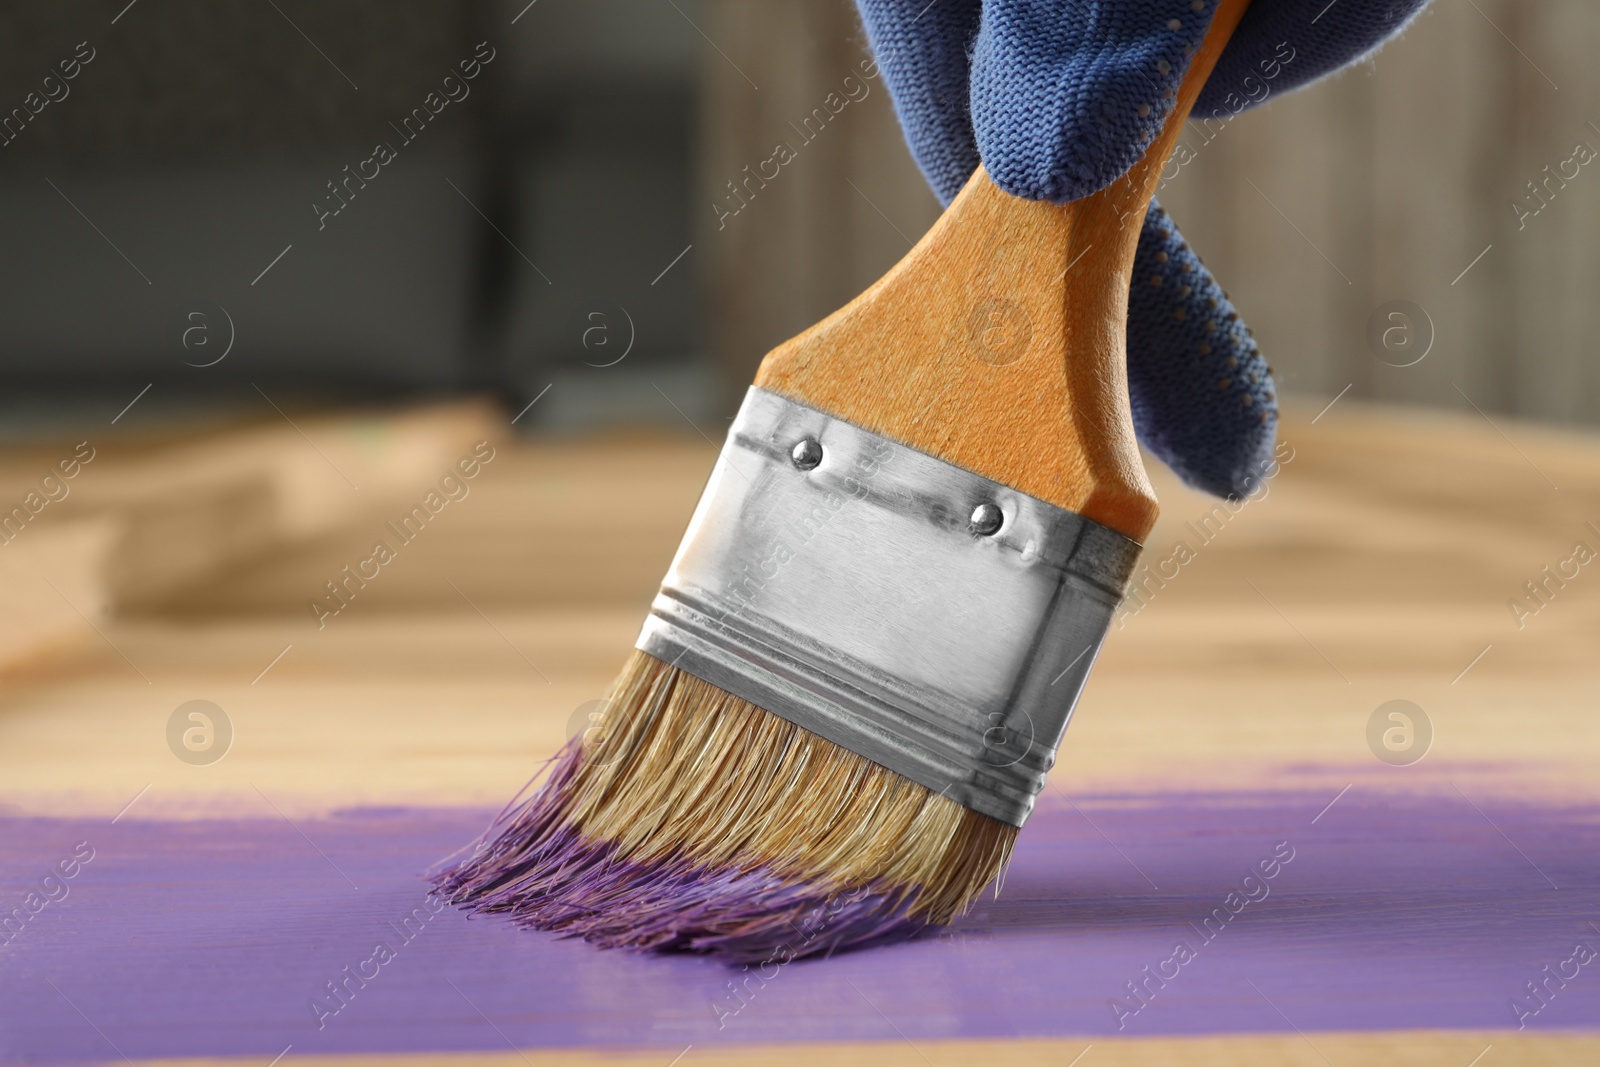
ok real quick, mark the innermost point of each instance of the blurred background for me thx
(283, 264)
(361, 363)
(577, 205)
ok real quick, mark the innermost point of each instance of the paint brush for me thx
(854, 679)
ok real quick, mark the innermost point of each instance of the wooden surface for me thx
(998, 342)
(1383, 183)
(1384, 553)
(1418, 1049)
(142, 522)
(1388, 182)
(1378, 566)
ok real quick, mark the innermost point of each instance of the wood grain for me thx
(1404, 1049)
(1387, 182)
(998, 343)
(1374, 548)
(144, 521)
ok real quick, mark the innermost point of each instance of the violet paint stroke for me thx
(1398, 910)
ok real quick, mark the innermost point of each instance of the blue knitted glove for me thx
(1059, 98)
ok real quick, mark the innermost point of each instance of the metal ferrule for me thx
(857, 594)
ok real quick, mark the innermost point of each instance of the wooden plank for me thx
(1389, 545)
(1406, 1049)
(46, 621)
(1402, 172)
(1374, 548)
(133, 526)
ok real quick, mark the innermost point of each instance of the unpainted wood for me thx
(1401, 1048)
(997, 343)
(1371, 557)
(148, 524)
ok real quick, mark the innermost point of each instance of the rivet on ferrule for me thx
(807, 453)
(811, 598)
(987, 520)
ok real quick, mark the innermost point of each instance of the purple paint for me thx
(1398, 910)
(537, 870)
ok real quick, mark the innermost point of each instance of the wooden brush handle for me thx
(998, 343)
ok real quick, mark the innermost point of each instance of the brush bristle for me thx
(691, 820)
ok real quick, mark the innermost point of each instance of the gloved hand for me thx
(1059, 98)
